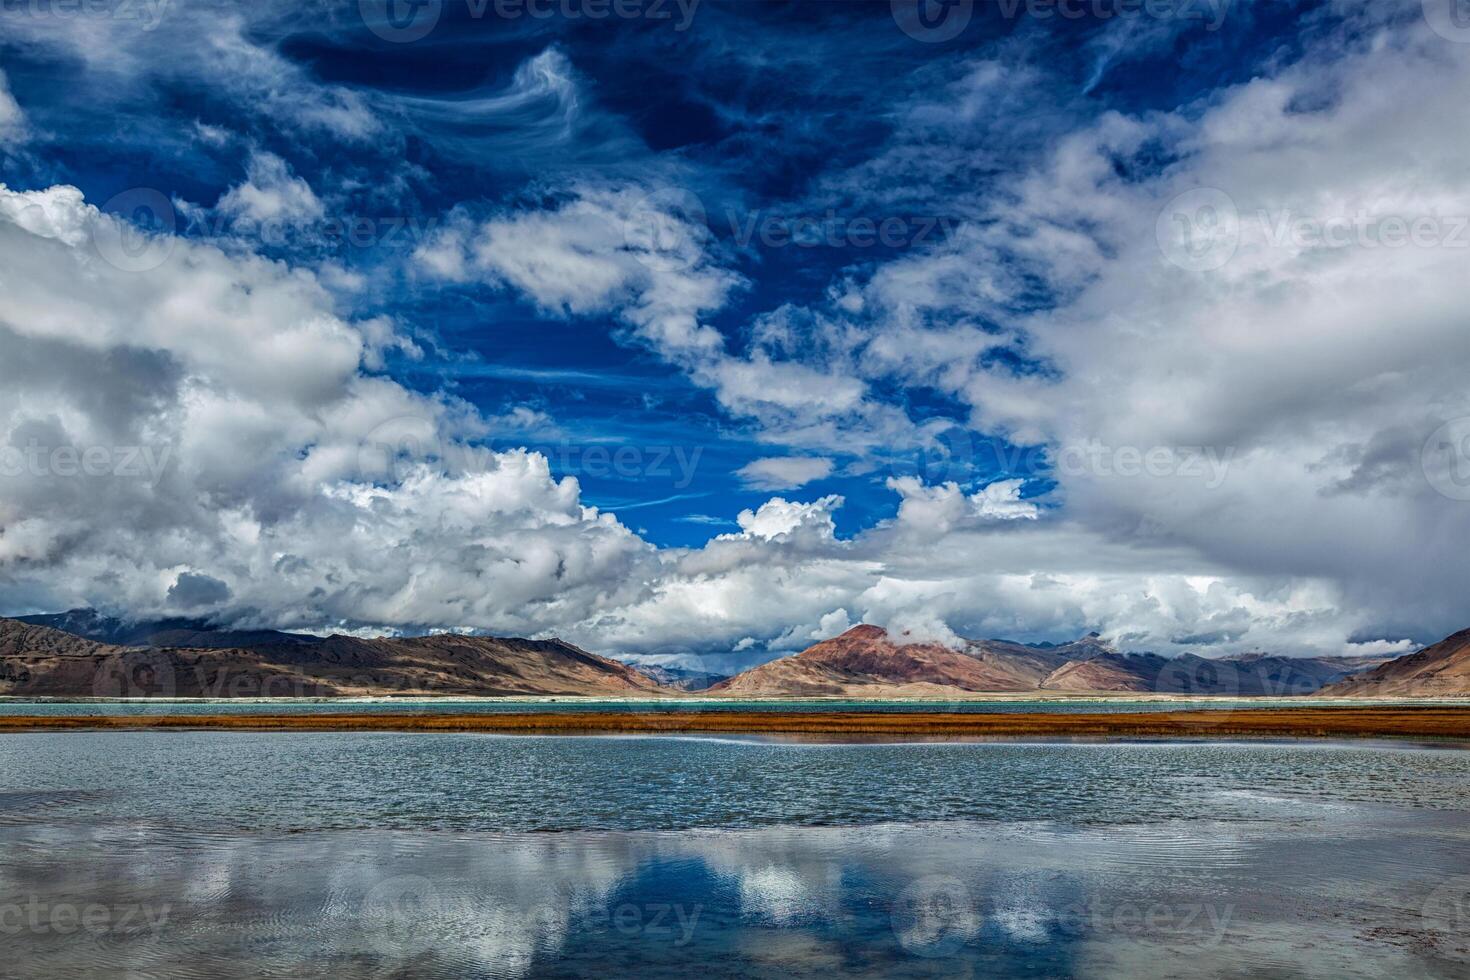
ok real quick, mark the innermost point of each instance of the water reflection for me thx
(1174, 899)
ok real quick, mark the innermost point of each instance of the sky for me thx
(701, 331)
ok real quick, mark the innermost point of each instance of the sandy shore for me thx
(1316, 722)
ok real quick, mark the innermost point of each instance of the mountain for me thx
(865, 661)
(38, 660)
(1106, 672)
(1246, 675)
(174, 632)
(190, 658)
(678, 678)
(1441, 670)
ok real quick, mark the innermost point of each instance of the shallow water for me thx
(352, 854)
(441, 705)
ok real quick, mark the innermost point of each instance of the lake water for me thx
(216, 854)
(439, 705)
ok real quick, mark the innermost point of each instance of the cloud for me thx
(778, 519)
(271, 193)
(1001, 500)
(645, 255)
(191, 591)
(211, 416)
(784, 472)
(1231, 456)
(237, 435)
(12, 119)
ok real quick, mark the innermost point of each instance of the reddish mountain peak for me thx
(865, 632)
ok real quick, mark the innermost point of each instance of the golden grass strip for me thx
(1320, 722)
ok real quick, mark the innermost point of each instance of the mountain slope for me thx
(1440, 670)
(865, 660)
(1248, 675)
(679, 678)
(35, 660)
(175, 632)
(1105, 672)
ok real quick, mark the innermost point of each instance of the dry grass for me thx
(1320, 722)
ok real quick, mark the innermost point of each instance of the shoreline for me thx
(1316, 722)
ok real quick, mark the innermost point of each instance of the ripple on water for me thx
(204, 783)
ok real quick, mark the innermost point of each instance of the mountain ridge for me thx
(193, 658)
(42, 661)
(866, 661)
(1439, 670)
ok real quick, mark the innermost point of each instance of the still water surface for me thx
(448, 855)
(441, 705)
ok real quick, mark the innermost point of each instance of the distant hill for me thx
(866, 661)
(87, 654)
(1440, 670)
(1247, 675)
(679, 678)
(176, 631)
(40, 661)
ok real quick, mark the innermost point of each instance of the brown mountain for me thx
(36, 660)
(865, 661)
(1441, 670)
(1106, 672)
(1246, 675)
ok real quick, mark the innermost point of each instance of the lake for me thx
(448, 855)
(497, 705)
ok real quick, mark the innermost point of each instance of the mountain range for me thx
(43, 661)
(83, 653)
(866, 661)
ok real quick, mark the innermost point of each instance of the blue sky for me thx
(768, 112)
(575, 237)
